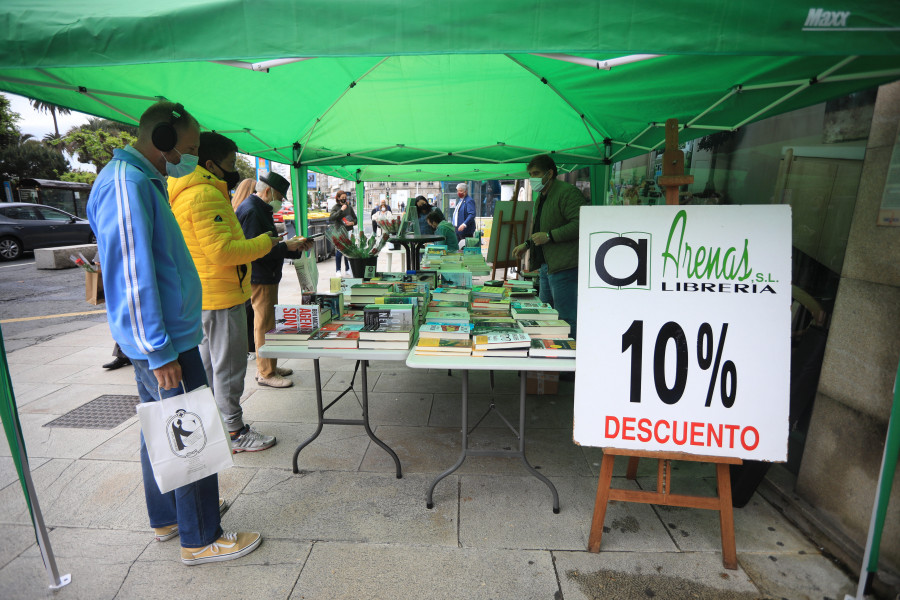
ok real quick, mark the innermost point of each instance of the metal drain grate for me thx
(103, 412)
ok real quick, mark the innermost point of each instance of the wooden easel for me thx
(672, 178)
(663, 496)
(515, 226)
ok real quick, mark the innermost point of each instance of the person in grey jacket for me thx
(554, 239)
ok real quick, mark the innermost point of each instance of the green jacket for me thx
(559, 218)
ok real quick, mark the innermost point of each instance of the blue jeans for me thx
(337, 261)
(195, 507)
(560, 290)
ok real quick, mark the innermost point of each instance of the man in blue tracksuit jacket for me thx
(153, 304)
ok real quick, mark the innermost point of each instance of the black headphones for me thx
(164, 136)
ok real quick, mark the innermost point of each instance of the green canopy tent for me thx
(389, 88)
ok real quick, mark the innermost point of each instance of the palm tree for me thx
(42, 106)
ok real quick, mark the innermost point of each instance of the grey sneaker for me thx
(248, 439)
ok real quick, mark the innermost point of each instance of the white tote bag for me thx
(186, 438)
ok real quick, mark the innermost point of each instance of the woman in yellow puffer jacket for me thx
(222, 256)
(215, 239)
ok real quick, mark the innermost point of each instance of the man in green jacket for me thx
(554, 238)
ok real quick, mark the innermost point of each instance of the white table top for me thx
(275, 351)
(488, 363)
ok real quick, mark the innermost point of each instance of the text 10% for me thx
(726, 372)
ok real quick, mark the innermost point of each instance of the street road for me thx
(28, 292)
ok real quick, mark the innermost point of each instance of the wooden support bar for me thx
(663, 496)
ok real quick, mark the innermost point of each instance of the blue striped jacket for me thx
(153, 294)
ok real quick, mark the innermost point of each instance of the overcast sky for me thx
(40, 124)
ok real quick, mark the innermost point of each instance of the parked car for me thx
(26, 226)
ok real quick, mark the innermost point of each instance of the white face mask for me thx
(185, 167)
(537, 184)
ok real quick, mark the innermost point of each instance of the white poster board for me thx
(684, 329)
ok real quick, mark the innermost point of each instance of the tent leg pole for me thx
(56, 582)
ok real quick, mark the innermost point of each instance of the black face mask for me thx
(232, 178)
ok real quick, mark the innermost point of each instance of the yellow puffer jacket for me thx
(215, 239)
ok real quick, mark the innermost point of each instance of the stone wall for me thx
(842, 457)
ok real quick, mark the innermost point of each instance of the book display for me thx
(550, 348)
(300, 316)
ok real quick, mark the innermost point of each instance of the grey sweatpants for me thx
(224, 354)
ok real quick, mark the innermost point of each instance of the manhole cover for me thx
(103, 412)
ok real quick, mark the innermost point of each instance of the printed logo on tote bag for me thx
(186, 434)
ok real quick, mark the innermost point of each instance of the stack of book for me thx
(289, 337)
(332, 335)
(534, 314)
(333, 301)
(473, 261)
(484, 326)
(448, 317)
(493, 308)
(497, 344)
(452, 294)
(443, 347)
(367, 293)
(438, 305)
(349, 318)
(453, 278)
(300, 316)
(487, 292)
(559, 348)
(390, 315)
(543, 329)
(385, 337)
(445, 331)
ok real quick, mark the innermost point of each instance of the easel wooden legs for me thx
(663, 496)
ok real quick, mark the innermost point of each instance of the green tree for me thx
(95, 141)
(32, 159)
(9, 131)
(53, 109)
(79, 177)
(244, 167)
(714, 143)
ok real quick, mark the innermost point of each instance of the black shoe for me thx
(118, 363)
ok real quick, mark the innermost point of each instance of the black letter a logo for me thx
(639, 277)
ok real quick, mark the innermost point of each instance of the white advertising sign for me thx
(684, 329)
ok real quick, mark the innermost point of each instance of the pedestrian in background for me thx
(342, 215)
(153, 304)
(255, 217)
(464, 214)
(221, 253)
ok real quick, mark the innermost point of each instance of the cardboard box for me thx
(542, 383)
(93, 287)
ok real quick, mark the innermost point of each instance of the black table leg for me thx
(429, 503)
(364, 421)
(369, 432)
(319, 411)
(522, 445)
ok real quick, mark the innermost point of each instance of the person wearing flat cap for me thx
(255, 215)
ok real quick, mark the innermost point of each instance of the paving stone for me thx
(94, 374)
(808, 576)
(62, 442)
(268, 572)
(26, 393)
(340, 571)
(337, 448)
(626, 575)
(16, 538)
(71, 396)
(757, 526)
(26, 373)
(98, 560)
(342, 506)
(126, 445)
(92, 355)
(291, 405)
(75, 493)
(8, 473)
(516, 512)
(38, 355)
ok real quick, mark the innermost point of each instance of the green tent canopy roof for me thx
(394, 83)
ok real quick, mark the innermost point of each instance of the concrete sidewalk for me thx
(345, 527)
